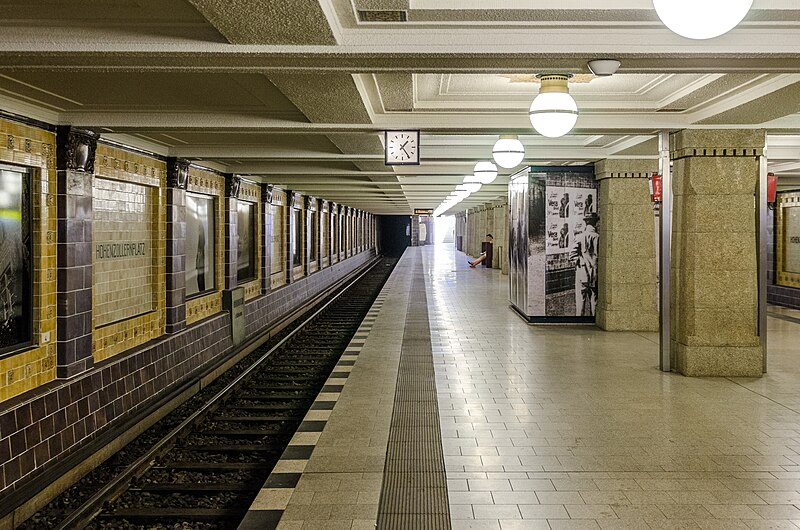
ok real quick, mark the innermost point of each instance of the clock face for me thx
(402, 147)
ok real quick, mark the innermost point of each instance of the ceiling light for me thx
(701, 19)
(462, 190)
(471, 184)
(508, 151)
(485, 172)
(553, 112)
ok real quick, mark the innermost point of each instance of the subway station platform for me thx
(450, 411)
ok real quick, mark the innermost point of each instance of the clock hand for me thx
(404, 150)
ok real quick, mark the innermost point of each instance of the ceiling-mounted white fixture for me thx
(485, 172)
(604, 67)
(471, 184)
(508, 151)
(702, 19)
(553, 112)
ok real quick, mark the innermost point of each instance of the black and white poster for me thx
(15, 258)
(572, 243)
(200, 250)
(246, 242)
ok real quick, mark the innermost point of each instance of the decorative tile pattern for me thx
(35, 148)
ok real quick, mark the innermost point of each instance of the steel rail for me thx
(90, 509)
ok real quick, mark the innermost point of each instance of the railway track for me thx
(203, 469)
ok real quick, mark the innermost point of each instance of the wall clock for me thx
(401, 148)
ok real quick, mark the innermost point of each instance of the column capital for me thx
(717, 143)
(267, 191)
(232, 185)
(75, 149)
(177, 172)
(635, 168)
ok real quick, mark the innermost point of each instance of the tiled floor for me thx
(561, 427)
(572, 427)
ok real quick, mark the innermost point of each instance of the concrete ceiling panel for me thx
(324, 97)
(397, 91)
(292, 22)
(772, 106)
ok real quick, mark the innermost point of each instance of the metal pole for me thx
(761, 234)
(665, 241)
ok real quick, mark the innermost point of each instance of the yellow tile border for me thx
(783, 277)
(119, 164)
(209, 183)
(35, 149)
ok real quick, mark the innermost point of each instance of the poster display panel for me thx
(246, 242)
(15, 259)
(200, 244)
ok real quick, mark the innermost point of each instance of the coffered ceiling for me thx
(297, 92)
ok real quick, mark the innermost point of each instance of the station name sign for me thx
(423, 211)
(120, 250)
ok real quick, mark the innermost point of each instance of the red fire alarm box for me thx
(656, 187)
(772, 187)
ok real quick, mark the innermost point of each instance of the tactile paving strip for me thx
(414, 492)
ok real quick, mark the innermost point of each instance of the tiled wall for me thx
(136, 362)
(120, 165)
(28, 369)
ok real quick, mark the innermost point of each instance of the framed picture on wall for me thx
(200, 244)
(16, 279)
(297, 238)
(246, 242)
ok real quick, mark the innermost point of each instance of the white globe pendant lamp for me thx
(471, 184)
(553, 112)
(485, 172)
(508, 151)
(701, 19)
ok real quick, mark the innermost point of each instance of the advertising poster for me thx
(200, 252)
(571, 244)
(15, 258)
(245, 242)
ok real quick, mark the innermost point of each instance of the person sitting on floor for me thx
(477, 261)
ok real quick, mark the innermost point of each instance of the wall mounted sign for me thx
(423, 211)
(124, 225)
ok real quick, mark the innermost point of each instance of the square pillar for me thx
(75, 150)
(714, 264)
(266, 236)
(231, 214)
(627, 297)
(177, 180)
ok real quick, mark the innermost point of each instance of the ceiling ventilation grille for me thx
(382, 16)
